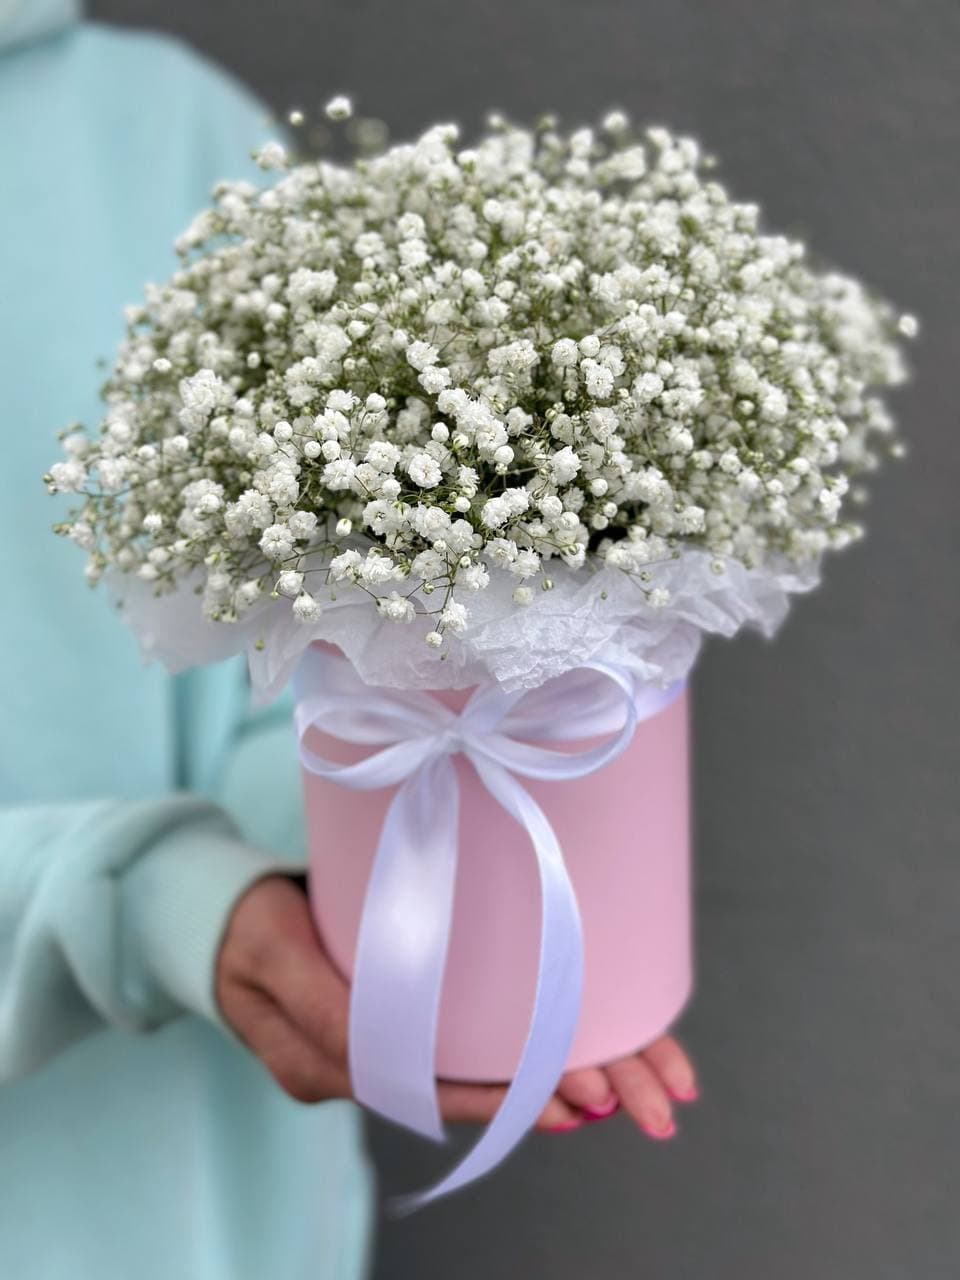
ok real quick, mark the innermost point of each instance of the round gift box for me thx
(624, 832)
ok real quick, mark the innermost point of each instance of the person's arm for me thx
(112, 913)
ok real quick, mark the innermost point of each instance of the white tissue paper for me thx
(589, 614)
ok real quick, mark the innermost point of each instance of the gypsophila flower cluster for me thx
(406, 374)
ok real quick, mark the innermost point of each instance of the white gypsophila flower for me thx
(290, 582)
(345, 565)
(82, 534)
(68, 477)
(339, 108)
(305, 607)
(396, 608)
(454, 616)
(424, 471)
(247, 593)
(272, 155)
(565, 352)
(376, 569)
(475, 577)
(276, 542)
(564, 465)
(421, 354)
(615, 122)
(449, 363)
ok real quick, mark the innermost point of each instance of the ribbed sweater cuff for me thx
(183, 894)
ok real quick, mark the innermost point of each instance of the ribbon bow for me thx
(405, 923)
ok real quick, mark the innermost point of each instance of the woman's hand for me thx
(645, 1085)
(279, 992)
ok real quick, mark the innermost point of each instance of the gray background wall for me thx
(827, 1143)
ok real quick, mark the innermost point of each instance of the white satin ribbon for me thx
(405, 924)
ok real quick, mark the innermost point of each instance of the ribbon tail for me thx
(556, 1005)
(402, 949)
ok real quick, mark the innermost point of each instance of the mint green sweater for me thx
(138, 1138)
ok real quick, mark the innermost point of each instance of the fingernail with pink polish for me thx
(567, 1127)
(661, 1134)
(690, 1094)
(603, 1112)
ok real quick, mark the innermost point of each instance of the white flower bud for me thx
(339, 108)
(305, 607)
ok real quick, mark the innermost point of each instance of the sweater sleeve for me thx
(112, 912)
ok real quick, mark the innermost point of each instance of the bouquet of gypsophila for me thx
(521, 401)
(529, 417)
